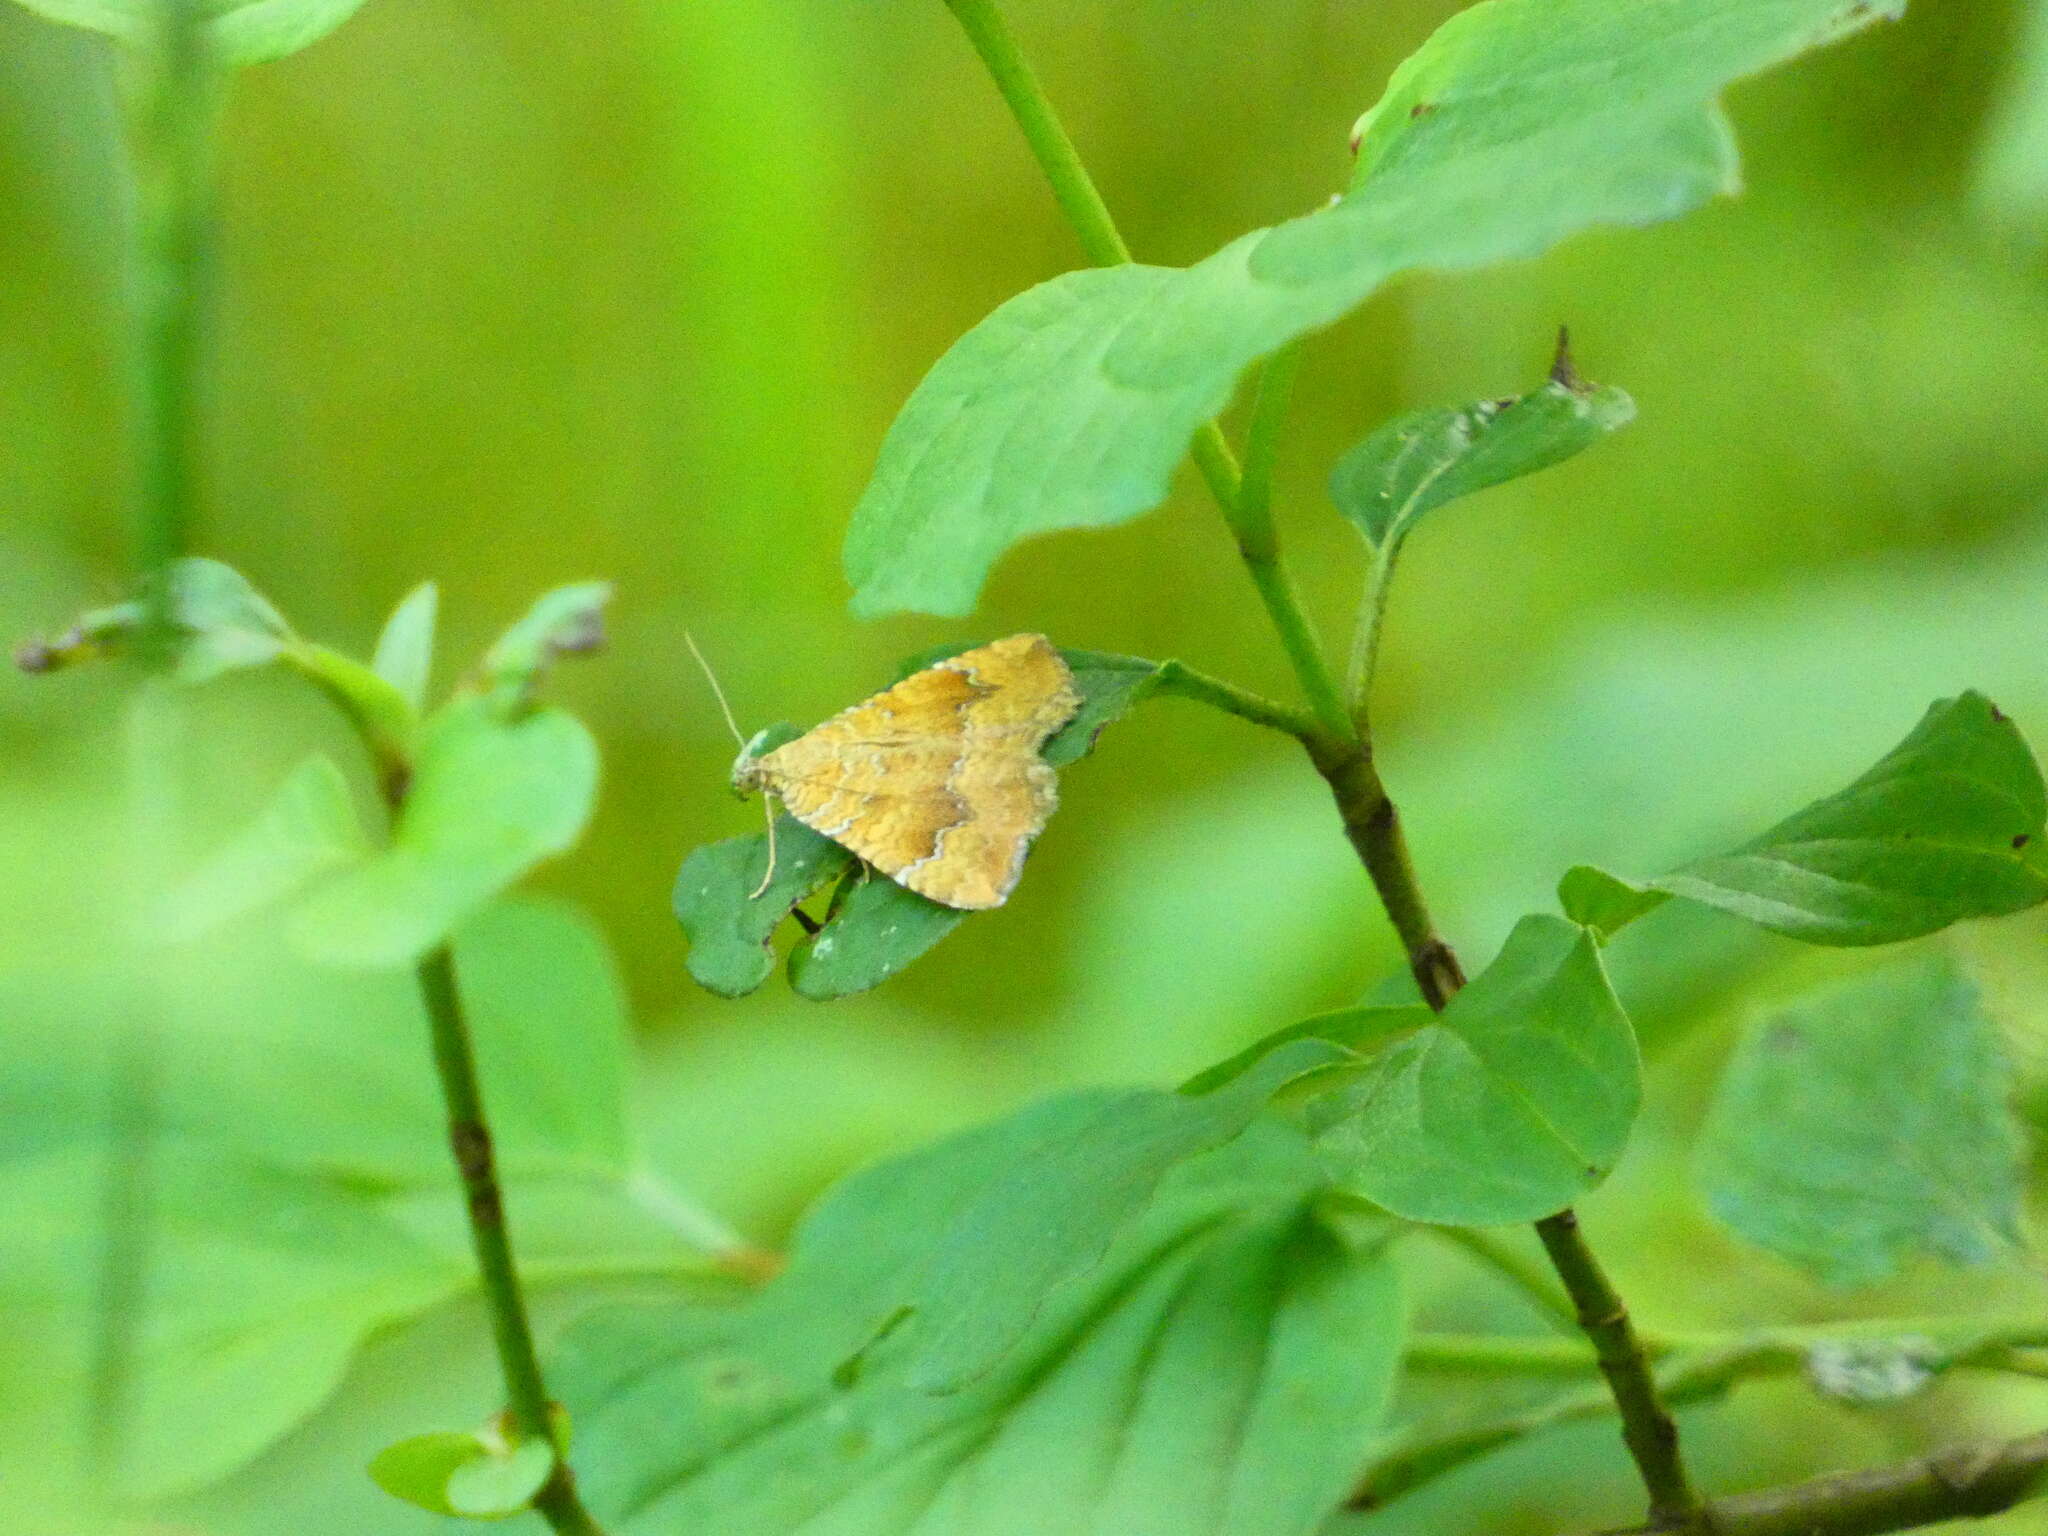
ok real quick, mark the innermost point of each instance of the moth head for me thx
(748, 776)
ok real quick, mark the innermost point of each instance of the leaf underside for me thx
(1422, 460)
(1218, 1370)
(1867, 1124)
(1948, 826)
(242, 31)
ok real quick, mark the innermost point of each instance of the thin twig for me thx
(1968, 1482)
(1374, 828)
(1647, 1427)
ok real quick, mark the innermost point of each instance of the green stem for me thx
(1365, 642)
(1721, 1361)
(469, 1137)
(1178, 680)
(154, 748)
(168, 125)
(172, 109)
(1254, 499)
(1499, 1354)
(1072, 187)
(1647, 1427)
(1075, 192)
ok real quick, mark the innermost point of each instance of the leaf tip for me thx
(1562, 371)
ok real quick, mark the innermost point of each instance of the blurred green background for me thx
(515, 294)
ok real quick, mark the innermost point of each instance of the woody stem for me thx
(1341, 747)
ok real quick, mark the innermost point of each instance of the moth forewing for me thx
(937, 781)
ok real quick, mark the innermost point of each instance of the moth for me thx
(937, 782)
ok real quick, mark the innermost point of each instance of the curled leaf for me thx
(1418, 462)
(568, 621)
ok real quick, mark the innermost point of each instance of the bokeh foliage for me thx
(523, 294)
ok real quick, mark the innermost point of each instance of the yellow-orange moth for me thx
(936, 782)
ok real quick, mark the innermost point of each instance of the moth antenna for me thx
(768, 808)
(718, 693)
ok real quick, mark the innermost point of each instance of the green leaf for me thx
(303, 1199)
(2010, 177)
(405, 650)
(255, 31)
(225, 622)
(1232, 1352)
(243, 31)
(1514, 1103)
(874, 929)
(1605, 903)
(1110, 687)
(220, 624)
(731, 929)
(298, 1066)
(417, 1468)
(261, 1286)
(1091, 1172)
(568, 621)
(1866, 1124)
(547, 1010)
(1517, 124)
(384, 718)
(1947, 826)
(1353, 1028)
(496, 1485)
(490, 799)
(309, 829)
(1418, 462)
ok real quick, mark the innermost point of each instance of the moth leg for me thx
(768, 879)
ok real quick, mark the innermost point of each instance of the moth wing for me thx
(976, 862)
(874, 777)
(1025, 685)
(1007, 790)
(937, 782)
